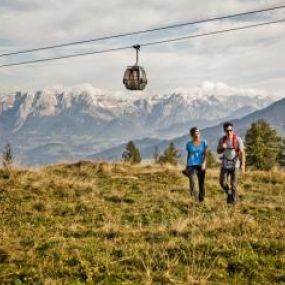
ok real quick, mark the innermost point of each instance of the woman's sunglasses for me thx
(195, 133)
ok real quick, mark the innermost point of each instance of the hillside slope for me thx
(116, 224)
(273, 114)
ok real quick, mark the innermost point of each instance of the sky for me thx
(244, 59)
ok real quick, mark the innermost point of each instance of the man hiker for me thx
(233, 157)
(196, 163)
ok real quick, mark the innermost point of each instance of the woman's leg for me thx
(192, 182)
(201, 178)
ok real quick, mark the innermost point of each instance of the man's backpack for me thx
(234, 143)
(230, 164)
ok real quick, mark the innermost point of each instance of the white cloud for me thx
(252, 58)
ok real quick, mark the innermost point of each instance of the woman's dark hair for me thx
(227, 124)
(193, 130)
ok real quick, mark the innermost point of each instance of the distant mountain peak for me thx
(84, 114)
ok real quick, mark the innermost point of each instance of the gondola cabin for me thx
(135, 76)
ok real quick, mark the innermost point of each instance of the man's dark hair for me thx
(193, 130)
(227, 124)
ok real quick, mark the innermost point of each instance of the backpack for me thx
(230, 164)
(234, 143)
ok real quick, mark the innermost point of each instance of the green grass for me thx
(118, 224)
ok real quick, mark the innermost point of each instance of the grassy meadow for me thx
(100, 223)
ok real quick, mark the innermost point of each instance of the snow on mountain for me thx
(273, 114)
(77, 115)
(210, 101)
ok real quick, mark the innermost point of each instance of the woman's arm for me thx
(188, 155)
(203, 165)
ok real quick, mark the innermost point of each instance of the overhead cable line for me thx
(144, 44)
(144, 31)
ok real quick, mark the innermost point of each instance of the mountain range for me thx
(273, 114)
(73, 123)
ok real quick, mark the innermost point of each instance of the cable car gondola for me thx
(135, 76)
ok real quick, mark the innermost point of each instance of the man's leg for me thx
(192, 182)
(201, 179)
(224, 179)
(233, 183)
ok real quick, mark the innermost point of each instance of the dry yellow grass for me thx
(103, 223)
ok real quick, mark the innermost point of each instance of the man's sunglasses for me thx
(229, 130)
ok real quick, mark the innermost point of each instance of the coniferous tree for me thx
(211, 160)
(170, 155)
(281, 157)
(263, 145)
(156, 154)
(7, 157)
(131, 153)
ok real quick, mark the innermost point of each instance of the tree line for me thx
(264, 149)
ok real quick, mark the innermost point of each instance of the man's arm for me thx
(243, 160)
(242, 155)
(220, 147)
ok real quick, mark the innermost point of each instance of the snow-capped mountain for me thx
(84, 119)
(88, 107)
(273, 114)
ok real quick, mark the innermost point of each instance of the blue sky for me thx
(247, 59)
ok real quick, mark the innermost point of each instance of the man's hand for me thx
(243, 161)
(203, 166)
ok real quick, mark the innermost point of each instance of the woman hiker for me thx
(196, 163)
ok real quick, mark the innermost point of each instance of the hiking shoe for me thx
(230, 199)
(201, 197)
(226, 189)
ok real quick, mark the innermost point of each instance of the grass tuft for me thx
(115, 223)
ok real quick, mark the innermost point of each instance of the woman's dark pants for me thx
(196, 171)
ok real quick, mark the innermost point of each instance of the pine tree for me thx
(281, 157)
(211, 160)
(7, 157)
(156, 154)
(170, 155)
(263, 146)
(131, 154)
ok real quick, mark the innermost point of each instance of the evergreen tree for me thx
(281, 157)
(7, 157)
(211, 160)
(263, 145)
(170, 155)
(156, 154)
(131, 154)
